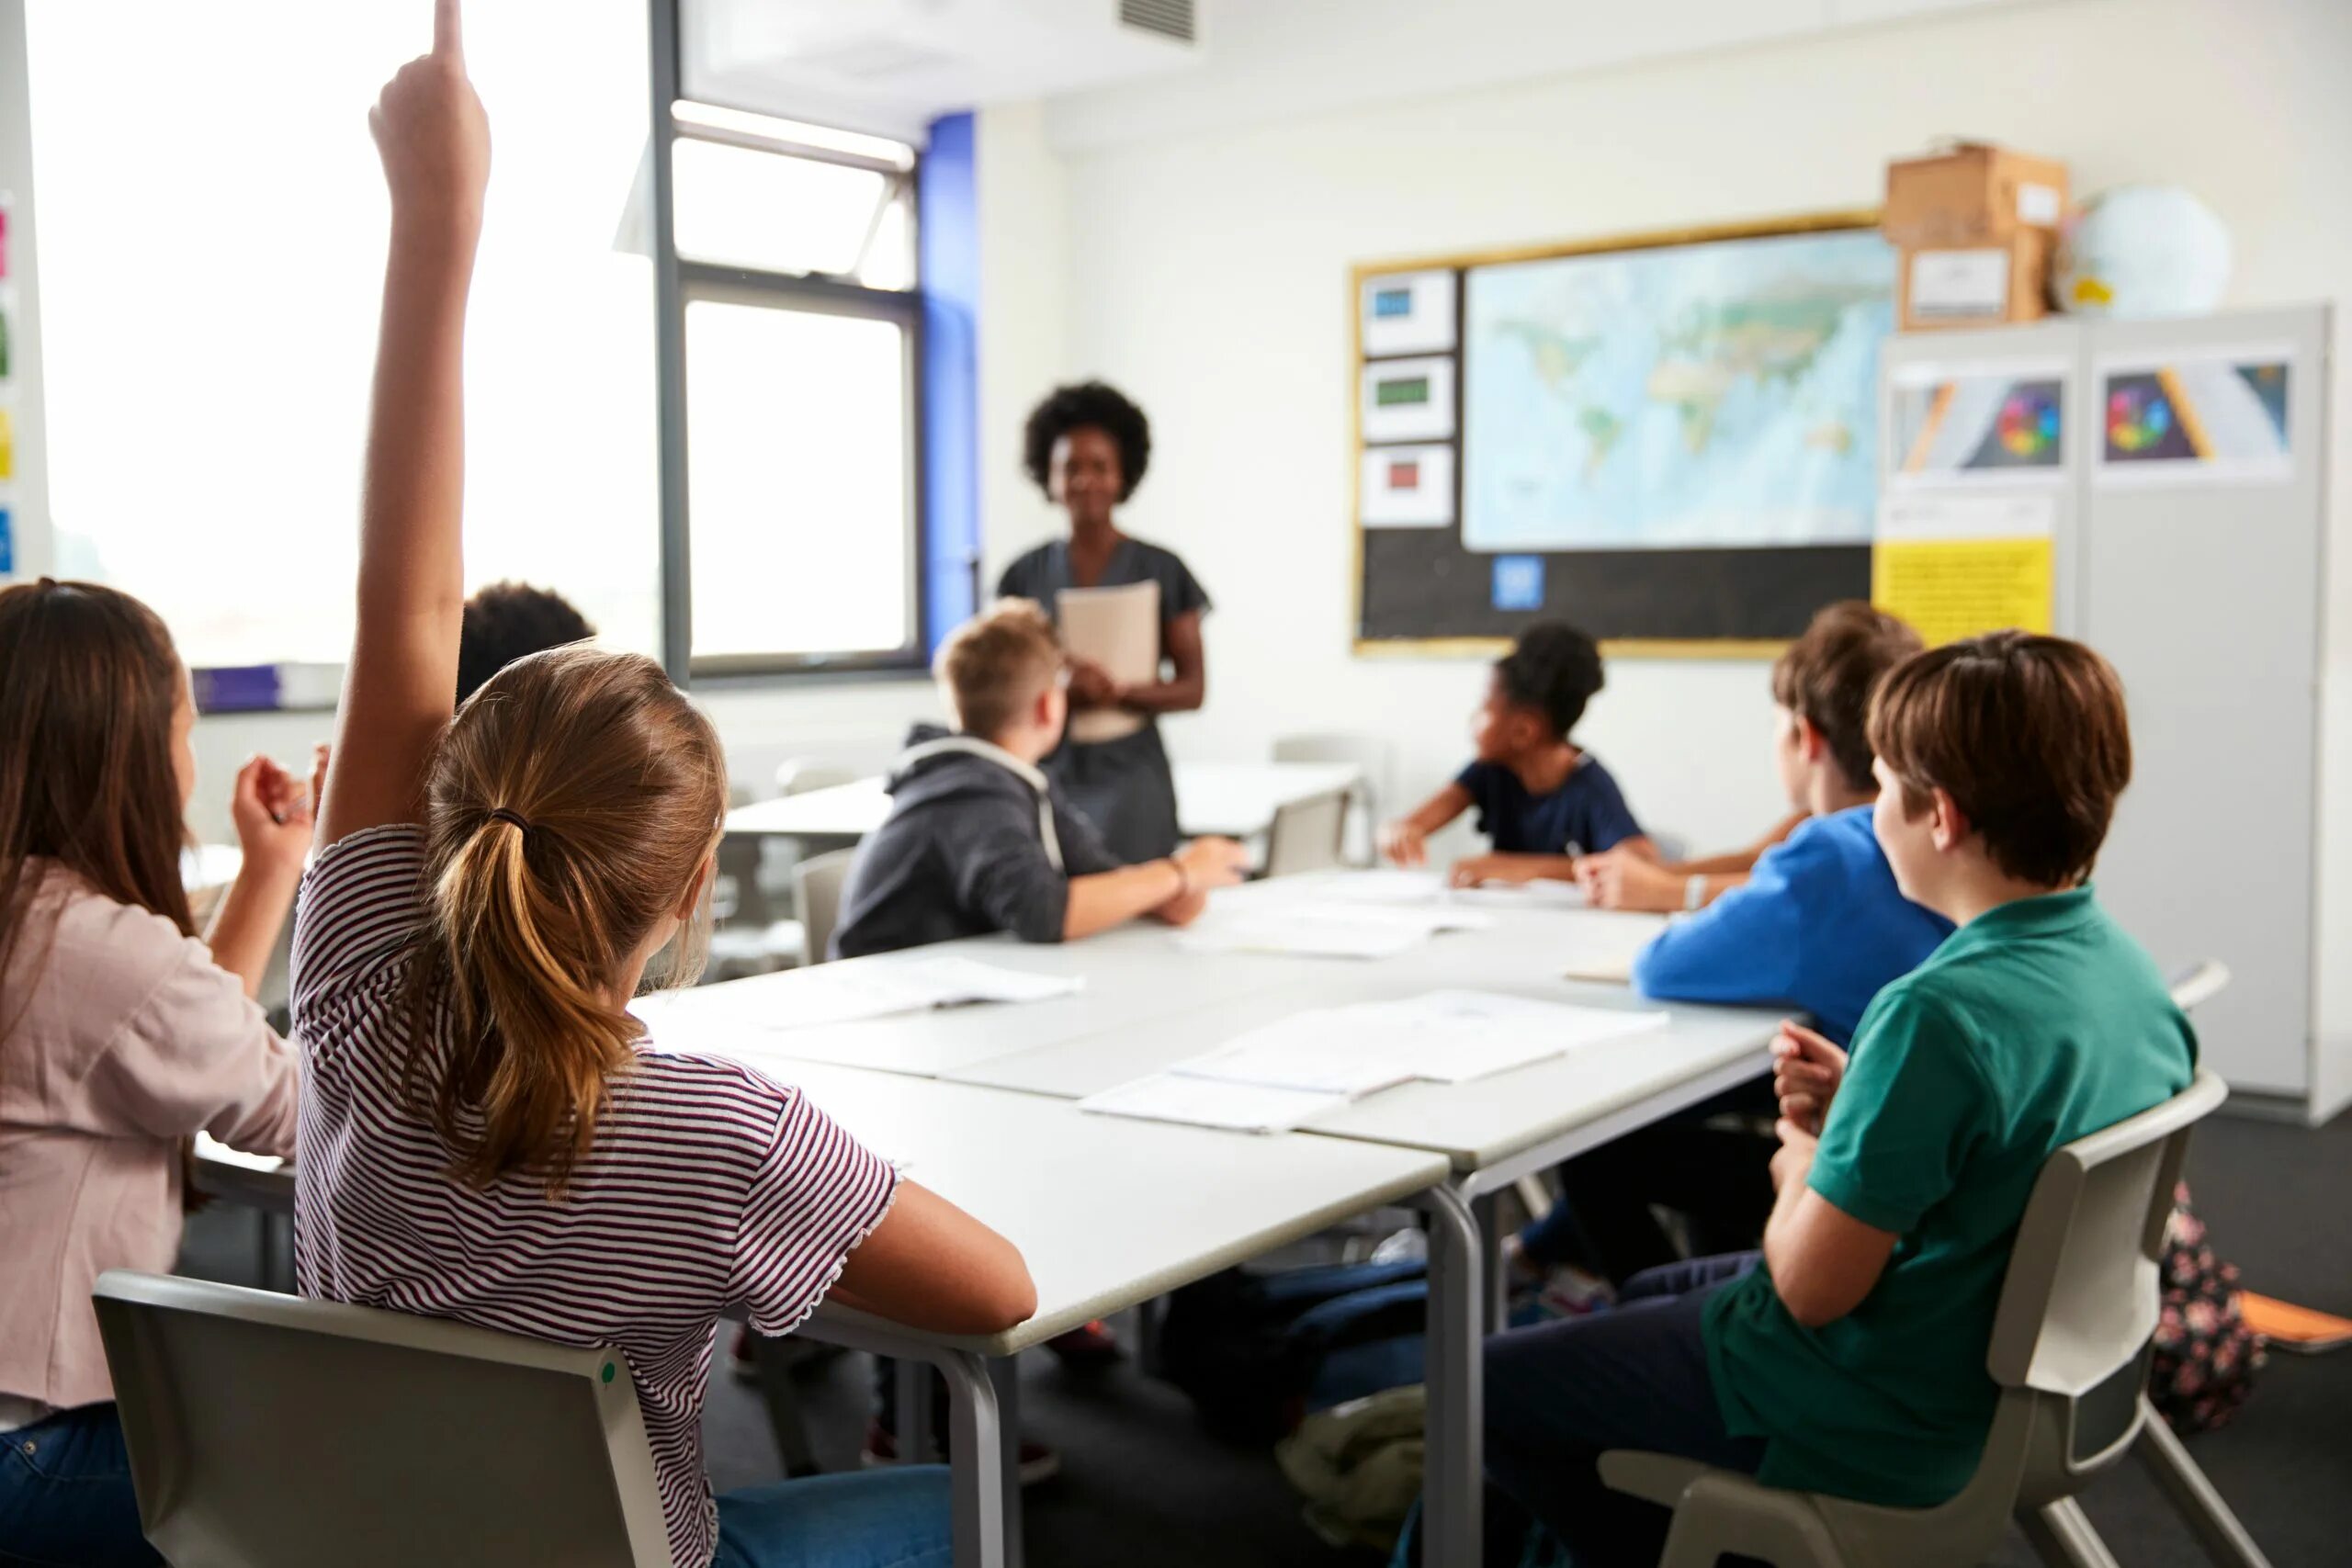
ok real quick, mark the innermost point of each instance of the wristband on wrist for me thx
(1694, 892)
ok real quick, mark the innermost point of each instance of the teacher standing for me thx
(1086, 446)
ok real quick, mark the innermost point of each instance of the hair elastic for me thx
(504, 813)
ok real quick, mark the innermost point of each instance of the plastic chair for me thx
(1369, 756)
(268, 1431)
(1306, 836)
(817, 882)
(2070, 1353)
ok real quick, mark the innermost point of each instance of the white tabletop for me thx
(1150, 1002)
(1107, 1211)
(1236, 799)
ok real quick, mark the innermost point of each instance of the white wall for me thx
(29, 485)
(1207, 274)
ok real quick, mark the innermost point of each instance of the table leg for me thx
(1453, 1478)
(1491, 1271)
(1005, 1373)
(976, 1451)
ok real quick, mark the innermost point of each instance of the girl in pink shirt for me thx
(121, 1034)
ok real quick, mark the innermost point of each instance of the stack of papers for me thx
(208, 1147)
(1277, 1077)
(844, 993)
(1338, 929)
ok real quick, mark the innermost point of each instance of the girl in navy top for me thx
(1541, 799)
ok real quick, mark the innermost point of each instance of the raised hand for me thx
(433, 136)
(272, 817)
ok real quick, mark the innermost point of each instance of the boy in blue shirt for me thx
(1818, 925)
(1542, 800)
(1849, 1356)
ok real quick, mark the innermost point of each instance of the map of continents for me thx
(1709, 395)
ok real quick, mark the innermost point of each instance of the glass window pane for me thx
(797, 471)
(204, 438)
(741, 207)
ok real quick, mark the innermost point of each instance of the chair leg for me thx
(785, 1421)
(2193, 1495)
(2063, 1536)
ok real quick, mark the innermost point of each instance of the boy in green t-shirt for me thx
(1849, 1356)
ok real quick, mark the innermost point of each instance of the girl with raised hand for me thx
(487, 1134)
(121, 1034)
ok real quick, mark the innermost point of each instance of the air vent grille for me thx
(1170, 18)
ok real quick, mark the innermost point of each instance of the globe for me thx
(2140, 251)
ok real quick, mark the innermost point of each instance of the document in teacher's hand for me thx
(862, 988)
(1117, 629)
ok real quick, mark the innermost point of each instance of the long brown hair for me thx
(569, 808)
(90, 681)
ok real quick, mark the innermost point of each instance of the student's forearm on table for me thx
(1559, 868)
(252, 911)
(1109, 898)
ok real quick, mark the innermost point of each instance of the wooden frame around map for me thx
(1461, 263)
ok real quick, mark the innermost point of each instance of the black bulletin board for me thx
(1421, 592)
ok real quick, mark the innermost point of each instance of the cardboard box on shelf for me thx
(1971, 194)
(1975, 285)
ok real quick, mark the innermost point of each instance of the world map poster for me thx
(1718, 395)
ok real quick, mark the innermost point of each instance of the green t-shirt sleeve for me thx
(1912, 1107)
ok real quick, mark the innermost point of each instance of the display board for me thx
(1669, 439)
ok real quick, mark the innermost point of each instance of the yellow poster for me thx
(1949, 588)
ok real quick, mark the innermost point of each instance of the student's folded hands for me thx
(1621, 879)
(1806, 1068)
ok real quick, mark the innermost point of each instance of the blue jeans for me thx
(65, 1494)
(1560, 1394)
(895, 1518)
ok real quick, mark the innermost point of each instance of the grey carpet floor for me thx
(1143, 1488)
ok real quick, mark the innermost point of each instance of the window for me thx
(796, 247)
(212, 234)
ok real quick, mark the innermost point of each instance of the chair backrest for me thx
(2205, 980)
(817, 882)
(2080, 1301)
(267, 1431)
(1306, 836)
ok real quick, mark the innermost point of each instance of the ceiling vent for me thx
(1168, 18)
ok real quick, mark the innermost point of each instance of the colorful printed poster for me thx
(1408, 487)
(2212, 416)
(1977, 424)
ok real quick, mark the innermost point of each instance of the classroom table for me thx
(1108, 1213)
(1234, 800)
(1151, 1001)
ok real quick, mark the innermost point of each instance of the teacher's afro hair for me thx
(1089, 405)
(1555, 669)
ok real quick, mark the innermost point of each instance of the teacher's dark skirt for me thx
(1125, 788)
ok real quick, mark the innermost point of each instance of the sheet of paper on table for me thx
(1212, 1102)
(1417, 889)
(1334, 930)
(1438, 1037)
(845, 993)
(211, 1149)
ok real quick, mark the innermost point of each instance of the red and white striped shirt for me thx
(707, 1187)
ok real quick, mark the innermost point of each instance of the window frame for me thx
(703, 281)
(679, 282)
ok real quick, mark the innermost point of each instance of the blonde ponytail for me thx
(572, 806)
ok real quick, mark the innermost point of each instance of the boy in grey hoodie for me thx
(979, 839)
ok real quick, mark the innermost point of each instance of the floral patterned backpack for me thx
(2206, 1356)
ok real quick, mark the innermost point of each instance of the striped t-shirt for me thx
(707, 1187)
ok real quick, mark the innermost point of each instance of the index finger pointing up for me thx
(448, 42)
